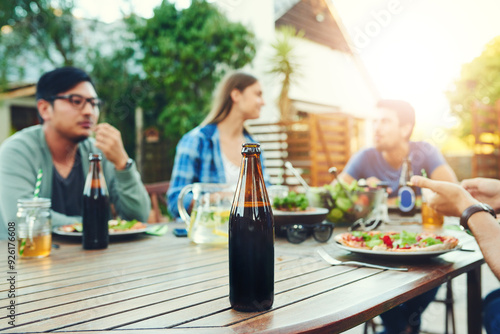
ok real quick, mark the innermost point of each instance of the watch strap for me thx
(129, 164)
(464, 219)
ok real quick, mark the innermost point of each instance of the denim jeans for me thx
(491, 312)
(407, 315)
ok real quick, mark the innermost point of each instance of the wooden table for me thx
(152, 284)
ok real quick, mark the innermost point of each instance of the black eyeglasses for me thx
(78, 101)
(297, 233)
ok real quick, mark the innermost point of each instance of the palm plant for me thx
(286, 66)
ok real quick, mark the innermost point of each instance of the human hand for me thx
(448, 198)
(484, 190)
(372, 181)
(109, 141)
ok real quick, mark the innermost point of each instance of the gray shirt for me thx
(24, 153)
(67, 193)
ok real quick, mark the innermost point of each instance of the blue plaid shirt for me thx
(198, 158)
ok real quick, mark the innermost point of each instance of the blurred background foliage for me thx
(185, 54)
(479, 82)
(42, 28)
(169, 64)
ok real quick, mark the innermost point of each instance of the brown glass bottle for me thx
(96, 211)
(406, 193)
(251, 238)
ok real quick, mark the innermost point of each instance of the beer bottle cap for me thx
(95, 156)
(250, 148)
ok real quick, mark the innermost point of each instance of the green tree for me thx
(43, 29)
(479, 82)
(120, 88)
(186, 53)
(44, 32)
(286, 66)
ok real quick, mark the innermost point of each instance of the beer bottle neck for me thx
(402, 176)
(95, 178)
(251, 190)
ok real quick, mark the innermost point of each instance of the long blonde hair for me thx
(223, 102)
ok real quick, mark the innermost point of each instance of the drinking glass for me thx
(34, 227)
(431, 219)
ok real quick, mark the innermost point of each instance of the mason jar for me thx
(34, 227)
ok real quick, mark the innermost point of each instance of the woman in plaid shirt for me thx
(211, 152)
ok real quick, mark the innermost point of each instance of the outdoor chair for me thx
(158, 193)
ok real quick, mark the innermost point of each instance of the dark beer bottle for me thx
(406, 193)
(251, 238)
(96, 211)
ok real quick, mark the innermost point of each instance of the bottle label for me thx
(406, 197)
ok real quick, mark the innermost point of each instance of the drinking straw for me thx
(38, 183)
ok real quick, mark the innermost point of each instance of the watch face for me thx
(485, 207)
(129, 163)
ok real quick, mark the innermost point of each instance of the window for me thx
(22, 117)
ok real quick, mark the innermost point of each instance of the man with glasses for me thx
(68, 107)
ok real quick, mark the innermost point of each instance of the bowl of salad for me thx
(294, 208)
(349, 205)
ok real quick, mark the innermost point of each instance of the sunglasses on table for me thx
(77, 100)
(297, 233)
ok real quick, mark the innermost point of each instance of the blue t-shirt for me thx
(370, 163)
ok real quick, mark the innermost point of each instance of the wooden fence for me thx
(312, 145)
(486, 131)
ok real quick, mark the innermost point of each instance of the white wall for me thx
(4, 120)
(258, 16)
(330, 77)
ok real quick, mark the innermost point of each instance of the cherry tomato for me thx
(387, 241)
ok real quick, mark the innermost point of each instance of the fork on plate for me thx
(335, 262)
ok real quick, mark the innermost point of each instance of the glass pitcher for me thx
(209, 219)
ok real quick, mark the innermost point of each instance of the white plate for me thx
(309, 212)
(57, 231)
(397, 255)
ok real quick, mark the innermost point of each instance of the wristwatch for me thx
(129, 163)
(464, 219)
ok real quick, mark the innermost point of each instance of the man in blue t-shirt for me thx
(393, 126)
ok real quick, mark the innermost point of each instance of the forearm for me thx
(176, 186)
(172, 198)
(486, 230)
(444, 173)
(130, 197)
(344, 177)
(58, 219)
(186, 170)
